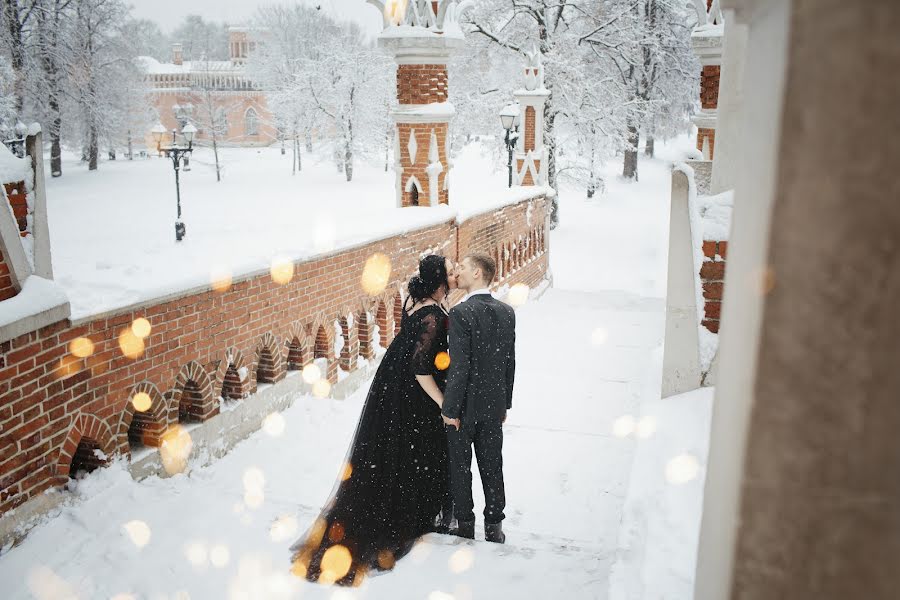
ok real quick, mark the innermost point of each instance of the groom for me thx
(478, 394)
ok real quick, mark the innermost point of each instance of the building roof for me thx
(154, 67)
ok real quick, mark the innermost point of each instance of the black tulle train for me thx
(395, 481)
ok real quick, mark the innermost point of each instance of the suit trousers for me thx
(487, 437)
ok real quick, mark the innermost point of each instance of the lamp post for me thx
(509, 117)
(178, 154)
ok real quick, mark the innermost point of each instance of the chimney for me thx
(177, 54)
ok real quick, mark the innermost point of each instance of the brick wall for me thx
(518, 246)
(709, 86)
(15, 193)
(57, 409)
(418, 170)
(7, 290)
(704, 133)
(421, 84)
(712, 276)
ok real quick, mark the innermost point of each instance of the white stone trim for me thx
(43, 264)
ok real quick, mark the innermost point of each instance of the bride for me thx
(396, 479)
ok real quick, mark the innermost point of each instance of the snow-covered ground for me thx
(113, 230)
(587, 381)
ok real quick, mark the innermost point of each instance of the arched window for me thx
(251, 122)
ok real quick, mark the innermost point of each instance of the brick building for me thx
(178, 95)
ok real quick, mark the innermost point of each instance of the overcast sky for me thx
(169, 13)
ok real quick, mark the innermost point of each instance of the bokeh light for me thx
(131, 345)
(419, 552)
(645, 427)
(624, 426)
(197, 553)
(386, 559)
(762, 280)
(254, 478)
(141, 401)
(599, 336)
(220, 279)
(274, 424)
(44, 584)
(394, 11)
(682, 469)
(175, 449)
(282, 270)
(321, 388)
(138, 532)
(219, 556)
(376, 274)
(518, 294)
(439, 595)
(311, 373)
(141, 328)
(68, 366)
(336, 532)
(461, 560)
(283, 528)
(123, 596)
(442, 361)
(335, 563)
(81, 347)
(347, 472)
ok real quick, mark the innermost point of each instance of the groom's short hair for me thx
(485, 263)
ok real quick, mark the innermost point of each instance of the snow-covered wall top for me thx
(13, 168)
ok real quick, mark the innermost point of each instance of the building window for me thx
(251, 122)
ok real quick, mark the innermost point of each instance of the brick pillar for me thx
(530, 156)
(422, 117)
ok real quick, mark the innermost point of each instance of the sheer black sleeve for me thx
(431, 327)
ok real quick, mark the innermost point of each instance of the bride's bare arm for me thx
(431, 388)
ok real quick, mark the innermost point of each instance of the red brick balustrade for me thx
(712, 276)
(59, 413)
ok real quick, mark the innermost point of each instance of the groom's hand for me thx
(449, 421)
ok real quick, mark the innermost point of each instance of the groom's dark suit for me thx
(479, 392)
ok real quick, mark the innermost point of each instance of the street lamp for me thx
(158, 132)
(178, 154)
(509, 117)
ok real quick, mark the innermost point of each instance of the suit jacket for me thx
(482, 360)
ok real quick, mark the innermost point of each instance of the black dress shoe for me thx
(493, 532)
(464, 529)
(443, 522)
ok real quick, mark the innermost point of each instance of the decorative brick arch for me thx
(299, 348)
(321, 335)
(382, 321)
(137, 428)
(228, 376)
(270, 363)
(86, 434)
(350, 349)
(365, 330)
(194, 396)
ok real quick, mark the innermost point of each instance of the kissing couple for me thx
(436, 394)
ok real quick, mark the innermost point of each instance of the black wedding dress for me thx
(396, 479)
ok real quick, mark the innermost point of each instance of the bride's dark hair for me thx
(431, 277)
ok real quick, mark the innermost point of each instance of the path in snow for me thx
(584, 351)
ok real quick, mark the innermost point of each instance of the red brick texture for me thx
(709, 86)
(57, 411)
(703, 133)
(529, 128)
(7, 289)
(421, 195)
(15, 193)
(421, 84)
(712, 277)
